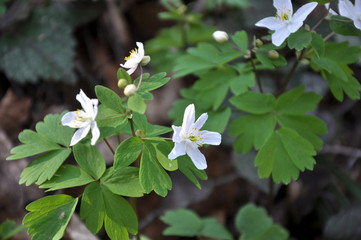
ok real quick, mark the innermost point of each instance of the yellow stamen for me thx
(133, 52)
(283, 15)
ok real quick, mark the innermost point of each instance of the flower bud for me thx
(259, 43)
(145, 60)
(307, 27)
(273, 54)
(247, 54)
(130, 90)
(122, 83)
(139, 133)
(220, 36)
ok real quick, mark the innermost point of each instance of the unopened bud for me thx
(139, 133)
(145, 60)
(259, 43)
(122, 83)
(130, 90)
(220, 36)
(247, 54)
(273, 54)
(307, 27)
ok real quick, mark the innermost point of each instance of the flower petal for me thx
(283, 5)
(70, 119)
(358, 5)
(95, 133)
(327, 6)
(200, 121)
(346, 8)
(197, 157)
(280, 35)
(294, 26)
(140, 50)
(212, 138)
(188, 118)
(95, 108)
(357, 23)
(79, 135)
(85, 102)
(176, 138)
(131, 70)
(179, 149)
(270, 22)
(302, 13)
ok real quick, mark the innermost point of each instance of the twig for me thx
(110, 147)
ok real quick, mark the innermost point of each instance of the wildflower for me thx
(285, 22)
(220, 36)
(130, 90)
(188, 138)
(135, 58)
(84, 120)
(347, 9)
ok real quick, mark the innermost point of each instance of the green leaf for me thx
(44, 167)
(162, 149)
(89, 159)
(66, 177)
(284, 154)
(92, 207)
(217, 121)
(122, 74)
(109, 98)
(141, 122)
(114, 230)
(127, 152)
(318, 45)
(9, 229)
(253, 102)
(33, 144)
(241, 40)
(155, 82)
(110, 122)
(123, 181)
(331, 67)
(49, 216)
(252, 130)
(37, 43)
(344, 26)
(156, 130)
(342, 53)
(242, 83)
(264, 60)
(299, 40)
(186, 223)
(99, 203)
(187, 167)
(137, 104)
(52, 128)
(254, 224)
(152, 175)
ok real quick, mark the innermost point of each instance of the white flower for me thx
(220, 36)
(347, 9)
(188, 138)
(285, 22)
(135, 58)
(84, 120)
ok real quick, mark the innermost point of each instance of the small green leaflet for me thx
(299, 40)
(99, 204)
(49, 216)
(109, 98)
(254, 224)
(9, 229)
(127, 152)
(344, 26)
(187, 167)
(152, 175)
(186, 223)
(276, 155)
(122, 74)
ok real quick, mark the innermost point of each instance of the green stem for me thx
(258, 80)
(133, 203)
(270, 194)
(110, 147)
(132, 126)
(141, 77)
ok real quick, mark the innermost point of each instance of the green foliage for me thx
(109, 98)
(211, 4)
(49, 216)
(344, 26)
(258, 130)
(188, 224)
(99, 205)
(254, 224)
(122, 74)
(9, 229)
(187, 167)
(299, 40)
(127, 152)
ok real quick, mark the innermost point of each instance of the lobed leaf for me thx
(127, 152)
(187, 167)
(299, 40)
(110, 99)
(253, 102)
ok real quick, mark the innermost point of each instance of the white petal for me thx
(95, 133)
(270, 22)
(188, 118)
(70, 119)
(176, 138)
(200, 121)
(294, 26)
(85, 102)
(357, 23)
(358, 5)
(283, 5)
(179, 149)
(327, 6)
(197, 158)
(302, 13)
(279, 36)
(346, 8)
(140, 50)
(95, 108)
(131, 70)
(79, 135)
(130, 63)
(212, 138)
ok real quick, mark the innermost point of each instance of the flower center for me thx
(82, 116)
(132, 53)
(283, 14)
(195, 136)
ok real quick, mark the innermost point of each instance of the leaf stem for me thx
(270, 194)
(258, 80)
(132, 126)
(140, 78)
(110, 147)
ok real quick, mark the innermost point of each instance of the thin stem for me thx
(132, 127)
(133, 203)
(270, 193)
(290, 73)
(141, 77)
(110, 147)
(328, 36)
(258, 80)
(118, 137)
(183, 25)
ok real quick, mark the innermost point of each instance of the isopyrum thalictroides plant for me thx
(277, 122)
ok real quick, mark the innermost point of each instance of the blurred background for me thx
(49, 49)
